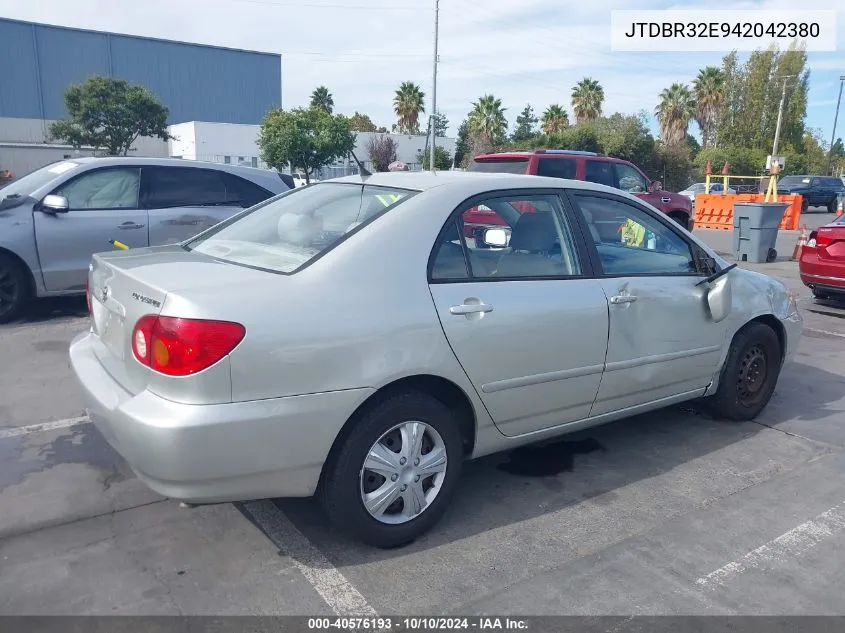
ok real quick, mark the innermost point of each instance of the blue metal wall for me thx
(197, 83)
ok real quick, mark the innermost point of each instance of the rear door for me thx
(103, 206)
(662, 343)
(527, 322)
(184, 201)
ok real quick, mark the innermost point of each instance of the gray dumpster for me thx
(756, 230)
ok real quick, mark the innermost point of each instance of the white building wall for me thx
(25, 147)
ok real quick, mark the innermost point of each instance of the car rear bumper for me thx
(214, 453)
(817, 273)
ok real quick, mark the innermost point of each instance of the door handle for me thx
(623, 299)
(131, 225)
(472, 308)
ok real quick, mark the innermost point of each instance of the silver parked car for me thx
(54, 219)
(353, 338)
(700, 187)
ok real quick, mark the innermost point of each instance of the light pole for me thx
(434, 85)
(835, 119)
(780, 116)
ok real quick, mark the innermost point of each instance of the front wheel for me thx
(395, 473)
(750, 374)
(14, 289)
(831, 206)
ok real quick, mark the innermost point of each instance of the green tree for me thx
(442, 158)
(382, 151)
(709, 89)
(408, 104)
(587, 100)
(555, 119)
(304, 138)
(487, 120)
(110, 114)
(627, 137)
(362, 123)
(676, 108)
(526, 125)
(441, 125)
(322, 98)
(462, 144)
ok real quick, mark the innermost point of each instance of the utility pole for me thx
(835, 120)
(434, 85)
(780, 117)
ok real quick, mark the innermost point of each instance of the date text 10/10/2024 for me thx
(418, 624)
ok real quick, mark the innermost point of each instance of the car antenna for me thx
(361, 169)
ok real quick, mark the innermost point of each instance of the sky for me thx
(522, 51)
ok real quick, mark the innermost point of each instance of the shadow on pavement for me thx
(509, 488)
(50, 308)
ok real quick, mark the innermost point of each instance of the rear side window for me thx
(245, 193)
(600, 172)
(502, 166)
(184, 187)
(288, 233)
(557, 168)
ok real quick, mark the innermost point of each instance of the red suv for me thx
(575, 165)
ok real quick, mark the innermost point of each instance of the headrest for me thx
(534, 232)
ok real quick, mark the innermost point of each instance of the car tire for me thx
(15, 291)
(346, 480)
(818, 294)
(680, 218)
(805, 205)
(749, 375)
(831, 206)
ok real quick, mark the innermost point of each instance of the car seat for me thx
(533, 242)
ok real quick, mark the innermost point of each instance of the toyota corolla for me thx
(348, 339)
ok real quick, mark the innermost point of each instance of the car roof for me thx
(163, 162)
(552, 153)
(471, 182)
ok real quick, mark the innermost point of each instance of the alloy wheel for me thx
(403, 472)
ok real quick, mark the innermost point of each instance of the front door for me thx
(661, 341)
(102, 206)
(184, 201)
(526, 321)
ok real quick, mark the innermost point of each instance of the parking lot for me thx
(668, 513)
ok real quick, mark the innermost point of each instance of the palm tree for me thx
(676, 108)
(709, 88)
(408, 104)
(322, 98)
(487, 119)
(587, 99)
(555, 119)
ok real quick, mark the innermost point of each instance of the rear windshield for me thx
(792, 181)
(288, 232)
(500, 166)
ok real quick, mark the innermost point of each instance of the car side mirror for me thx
(497, 238)
(55, 204)
(719, 300)
(655, 185)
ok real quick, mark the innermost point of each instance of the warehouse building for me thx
(196, 82)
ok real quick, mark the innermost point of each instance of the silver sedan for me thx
(361, 338)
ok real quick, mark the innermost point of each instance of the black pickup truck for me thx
(816, 191)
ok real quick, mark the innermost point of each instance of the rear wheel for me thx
(680, 218)
(395, 473)
(818, 294)
(750, 374)
(805, 205)
(14, 288)
(831, 206)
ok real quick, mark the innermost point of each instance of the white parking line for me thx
(42, 427)
(826, 332)
(796, 541)
(332, 586)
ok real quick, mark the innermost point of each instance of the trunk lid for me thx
(127, 285)
(830, 242)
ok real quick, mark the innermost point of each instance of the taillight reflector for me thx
(181, 347)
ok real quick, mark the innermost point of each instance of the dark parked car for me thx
(816, 191)
(53, 220)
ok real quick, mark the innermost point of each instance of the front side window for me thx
(168, 187)
(630, 241)
(600, 172)
(524, 237)
(114, 188)
(630, 179)
(289, 232)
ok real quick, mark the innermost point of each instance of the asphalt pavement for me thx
(668, 513)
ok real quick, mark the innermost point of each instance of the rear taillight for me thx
(88, 294)
(181, 347)
(811, 241)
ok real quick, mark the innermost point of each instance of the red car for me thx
(822, 261)
(576, 165)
